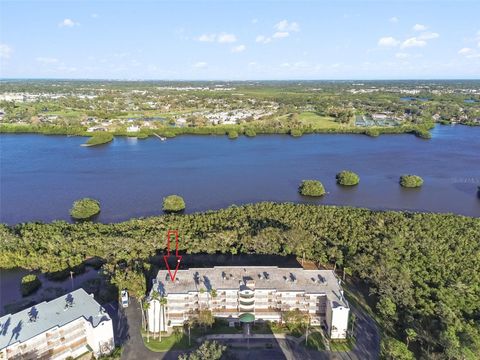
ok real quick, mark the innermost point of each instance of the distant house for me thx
(66, 327)
(379, 116)
(96, 128)
(133, 128)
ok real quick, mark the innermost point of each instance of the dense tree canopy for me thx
(85, 208)
(173, 203)
(311, 188)
(423, 269)
(411, 181)
(347, 178)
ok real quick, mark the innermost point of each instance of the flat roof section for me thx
(264, 277)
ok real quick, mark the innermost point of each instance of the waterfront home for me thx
(133, 128)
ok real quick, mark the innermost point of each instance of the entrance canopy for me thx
(247, 318)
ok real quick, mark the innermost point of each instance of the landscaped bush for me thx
(347, 178)
(173, 203)
(411, 181)
(30, 284)
(311, 188)
(296, 132)
(99, 138)
(84, 209)
(250, 133)
(232, 134)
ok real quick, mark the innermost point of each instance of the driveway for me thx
(134, 348)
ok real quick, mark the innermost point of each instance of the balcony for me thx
(247, 302)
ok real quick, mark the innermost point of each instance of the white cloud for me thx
(402, 55)
(254, 21)
(413, 42)
(207, 38)
(428, 35)
(262, 39)
(238, 49)
(388, 41)
(47, 60)
(419, 27)
(94, 15)
(226, 38)
(286, 26)
(465, 51)
(222, 38)
(200, 65)
(5, 51)
(478, 44)
(469, 53)
(281, 34)
(393, 19)
(68, 23)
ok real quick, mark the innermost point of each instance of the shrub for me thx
(99, 138)
(347, 178)
(250, 133)
(167, 133)
(411, 181)
(173, 203)
(372, 132)
(311, 188)
(84, 209)
(232, 134)
(30, 284)
(296, 132)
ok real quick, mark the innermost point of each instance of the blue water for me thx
(41, 176)
(409, 98)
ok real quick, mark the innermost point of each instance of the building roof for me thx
(265, 277)
(35, 320)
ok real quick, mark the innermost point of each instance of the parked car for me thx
(124, 298)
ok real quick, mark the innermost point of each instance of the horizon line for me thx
(239, 80)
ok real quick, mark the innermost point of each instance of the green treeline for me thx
(423, 269)
(99, 138)
(248, 130)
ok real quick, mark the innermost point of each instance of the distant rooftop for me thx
(265, 277)
(35, 320)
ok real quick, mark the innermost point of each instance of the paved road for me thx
(366, 348)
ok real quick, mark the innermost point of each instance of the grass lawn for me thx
(176, 341)
(315, 341)
(342, 345)
(318, 122)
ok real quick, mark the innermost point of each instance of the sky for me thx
(240, 40)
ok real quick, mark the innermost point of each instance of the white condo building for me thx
(68, 326)
(246, 294)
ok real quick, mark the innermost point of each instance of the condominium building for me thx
(68, 326)
(247, 294)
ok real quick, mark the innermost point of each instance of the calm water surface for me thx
(42, 175)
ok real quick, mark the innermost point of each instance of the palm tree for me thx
(145, 307)
(213, 293)
(411, 335)
(155, 298)
(163, 302)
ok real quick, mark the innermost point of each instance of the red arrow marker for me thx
(178, 258)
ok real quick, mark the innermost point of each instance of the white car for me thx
(124, 299)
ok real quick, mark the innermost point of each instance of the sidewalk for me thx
(254, 336)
